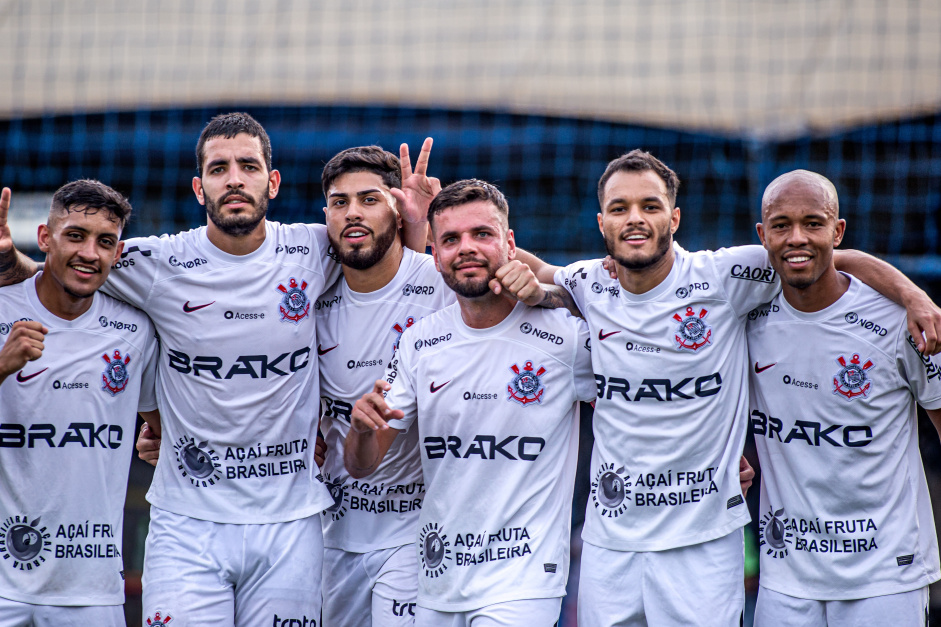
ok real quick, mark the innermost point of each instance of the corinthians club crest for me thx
(294, 305)
(159, 620)
(114, 379)
(852, 380)
(399, 330)
(526, 386)
(692, 333)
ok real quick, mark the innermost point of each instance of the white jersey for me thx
(845, 512)
(357, 335)
(497, 414)
(238, 373)
(67, 433)
(672, 404)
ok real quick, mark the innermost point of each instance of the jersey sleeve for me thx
(329, 262)
(401, 376)
(573, 278)
(133, 275)
(585, 388)
(923, 373)
(149, 356)
(747, 276)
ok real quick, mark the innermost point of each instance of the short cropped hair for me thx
(229, 125)
(640, 161)
(89, 195)
(468, 191)
(363, 159)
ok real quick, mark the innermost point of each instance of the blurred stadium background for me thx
(534, 95)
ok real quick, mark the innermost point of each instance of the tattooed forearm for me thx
(555, 297)
(15, 267)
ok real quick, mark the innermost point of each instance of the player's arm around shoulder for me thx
(517, 280)
(924, 316)
(134, 274)
(744, 273)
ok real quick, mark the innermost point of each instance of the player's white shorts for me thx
(374, 589)
(698, 585)
(522, 613)
(207, 574)
(908, 609)
(18, 614)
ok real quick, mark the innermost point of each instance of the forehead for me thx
(796, 199)
(469, 216)
(241, 145)
(95, 221)
(354, 182)
(631, 185)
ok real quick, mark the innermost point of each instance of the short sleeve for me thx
(922, 373)
(149, 356)
(403, 395)
(329, 262)
(133, 275)
(746, 274)
(573, 278)
(585, 388)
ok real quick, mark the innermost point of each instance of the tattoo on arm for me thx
(15, 268)
(555, 297)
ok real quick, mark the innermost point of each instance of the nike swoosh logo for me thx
(188, 309)
(603, 336)
(763, 368)
(324, 351)
(22, 379)
(435, 389)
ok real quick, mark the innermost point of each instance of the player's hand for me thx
(320, 450)
(745, 475)
(371, 411)
(418, 189)
(924, 323)
(611, 266)
(25, 343)
(148, 445)
(515, 279)
(6, 237)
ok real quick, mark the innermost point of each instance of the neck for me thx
(645, 279)
(485, 311)
(378, 276)
(59, 302)
(821, 294)
(236, 244)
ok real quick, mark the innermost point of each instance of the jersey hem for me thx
(663, 545)
(243, 519)
(80, 601)
(369, 548)
(866, 592)
(468, 606)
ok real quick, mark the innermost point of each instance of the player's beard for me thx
(241, 224)
(366, 257)
(663, 245)
(469, 288)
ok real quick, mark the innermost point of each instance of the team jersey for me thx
(670, 417)
(357, 334)
(67, 433)
(497, 416)
(845, 512)
(238, 378)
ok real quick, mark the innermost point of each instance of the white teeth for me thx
(630, 237)
(356, 233)
(801, 259)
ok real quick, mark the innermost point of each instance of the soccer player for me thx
(84, 365)
(663, 539)
(492, 387)
(370, 573)
(846, 530)
(235, 534)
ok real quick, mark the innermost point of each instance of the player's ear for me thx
(42, 237)
(601, 223)
(838, 234)
(198, 190)
(761, 233)
(274, 184)
(511, 245)
(674, 220)
(434, 255)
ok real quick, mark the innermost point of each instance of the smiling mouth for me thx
(636, 238)
(83, 269)
(798, 260)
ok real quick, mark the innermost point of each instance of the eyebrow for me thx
(242, 160)
(656, 199)
(360, 193)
